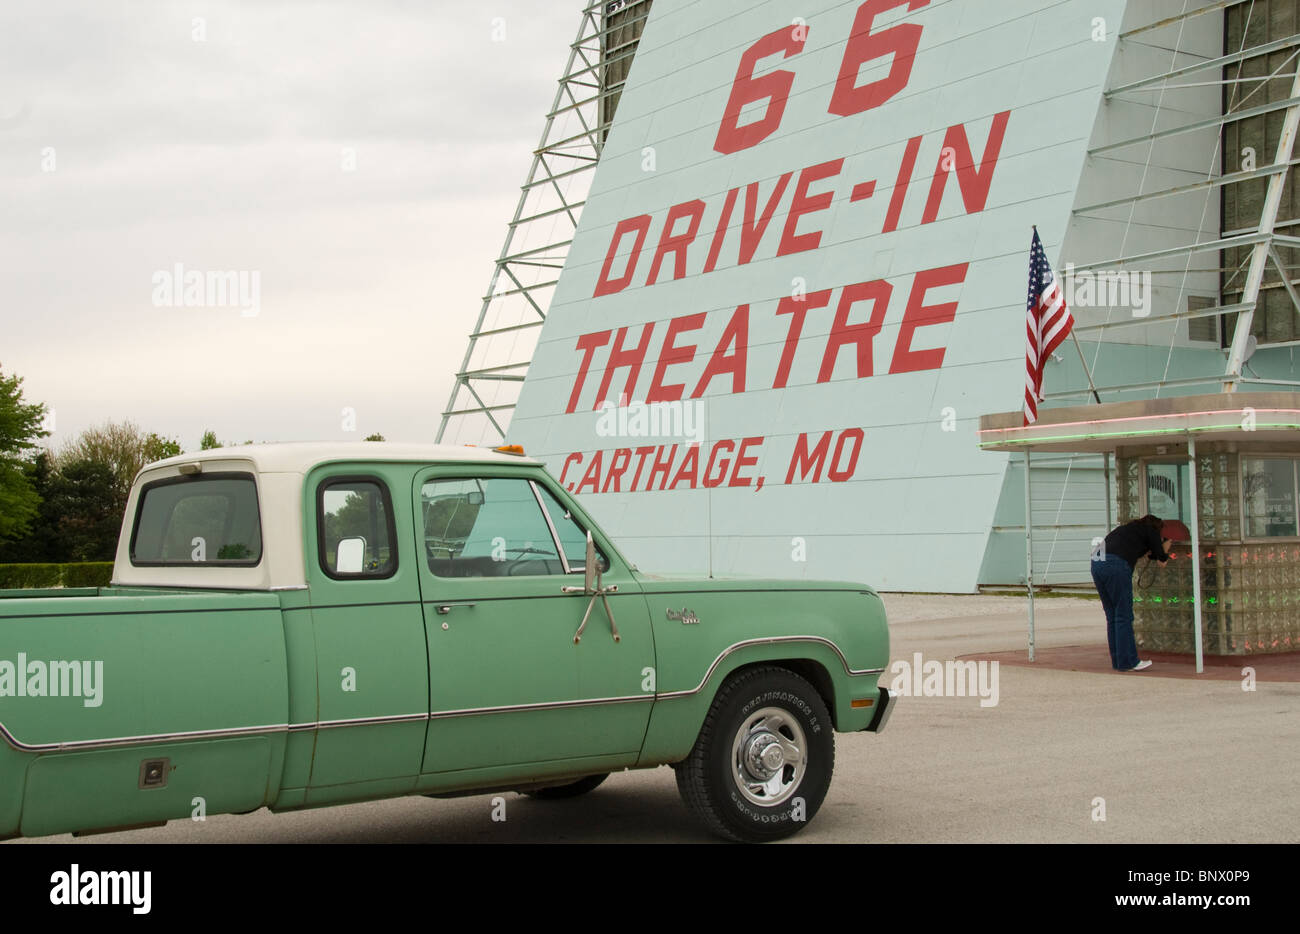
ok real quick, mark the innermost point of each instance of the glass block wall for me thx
(1250, 587)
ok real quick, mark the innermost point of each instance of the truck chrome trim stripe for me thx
(73, 745)
(268, 729)
(771, 640)
(358, 721)
(226, 732)
(544, 705)
(260, 608)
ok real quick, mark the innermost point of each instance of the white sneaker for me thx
(1141, 666)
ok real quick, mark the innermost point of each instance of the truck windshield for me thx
(210, 520)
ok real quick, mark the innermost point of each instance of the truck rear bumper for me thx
(884, 707)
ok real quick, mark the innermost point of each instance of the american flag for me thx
(1048, 323)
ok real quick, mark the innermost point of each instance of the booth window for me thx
(1268, 491)
(1168, 490)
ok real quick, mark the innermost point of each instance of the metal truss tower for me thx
(1260, 85)
(540, 233)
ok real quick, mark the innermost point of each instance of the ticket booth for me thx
(1228, 466)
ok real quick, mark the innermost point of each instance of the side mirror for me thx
(351, 555)
(592, 586)
(589, 576)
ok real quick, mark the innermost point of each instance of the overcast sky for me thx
(135, 136)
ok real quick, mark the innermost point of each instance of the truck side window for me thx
(354, 528)
(573, 537)
(486, 527)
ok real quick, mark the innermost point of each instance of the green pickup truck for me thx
(301, 625)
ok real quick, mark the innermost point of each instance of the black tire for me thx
(749, 710)
(571, 790)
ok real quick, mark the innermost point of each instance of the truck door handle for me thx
(445, 608)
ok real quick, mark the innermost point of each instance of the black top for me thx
(1134, 539)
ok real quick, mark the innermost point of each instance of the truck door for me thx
(372, 679)
(508, 683)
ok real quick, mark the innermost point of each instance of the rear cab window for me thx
(207, 519)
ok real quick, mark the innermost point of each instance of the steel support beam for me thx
(1162, 319)
(1208, 124)
(1232, 178)
(1286, 280)
(1209, 246)
(1222, 61)
(1179, 18)
(1196, 555)
(1259, 256)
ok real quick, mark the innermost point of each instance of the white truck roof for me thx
(302, 456)
(280, 469)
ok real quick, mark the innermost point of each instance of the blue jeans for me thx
(1114, 579)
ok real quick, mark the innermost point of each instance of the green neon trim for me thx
(1039, 439)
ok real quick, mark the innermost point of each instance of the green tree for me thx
(375, 437)
(38, 545)
(158, 448)
(209, 441)
(123, 448)
(21, 425)
(353, 519)
(448, 522)
(81, 517)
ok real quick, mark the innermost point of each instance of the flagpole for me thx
(1082, 359)
(1085, 366)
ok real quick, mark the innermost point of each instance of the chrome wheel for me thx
(762, 762)
(768, 757)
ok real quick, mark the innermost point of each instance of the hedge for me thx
(88, 574)
(34, 576)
